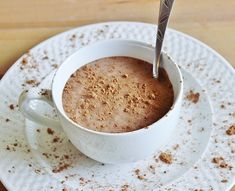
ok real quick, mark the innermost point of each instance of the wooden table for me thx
(25, 23)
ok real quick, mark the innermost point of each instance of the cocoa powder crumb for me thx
(24, 61)
(11, 106)
(224, 181)
(222, 106)
(126, 95)
(126, 110)
(125, 75)
(147, 102)
(220, 162)
(56, 156)
(104, 102)
(55, 66)
(138, 175)
(223, 165)
(30, 82)
(50, 131)
(44, 93)
(152, 169)
(46, 155)
(193, 97)
(56, 139)
(216, 160)
(124, 187)
(66, 156)
(166, 157)
(73, 37)
(60, 168)
(231, 130)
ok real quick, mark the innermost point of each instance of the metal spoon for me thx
(164, 14)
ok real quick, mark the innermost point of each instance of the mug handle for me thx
(34, 94)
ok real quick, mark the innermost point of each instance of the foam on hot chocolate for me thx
(117, 94)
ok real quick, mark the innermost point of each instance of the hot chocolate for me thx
(117, 94)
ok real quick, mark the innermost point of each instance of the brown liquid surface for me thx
(117, 94)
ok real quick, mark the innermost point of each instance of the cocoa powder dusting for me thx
(220, 162)
(216, 160)
(11, 106)
(166, 158)
(117, 94)
(24, 61)
(50, 131)
(193, 97)
(125, 187)
(60, 168)
(224, 180)
(55, 139)
(231, 130)
(222, 106)
(31, 82)
(138, 174)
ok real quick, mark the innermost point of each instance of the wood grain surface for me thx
(25, 23)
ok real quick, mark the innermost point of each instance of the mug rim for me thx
(143, 44)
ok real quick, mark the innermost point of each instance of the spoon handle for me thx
(164, 14)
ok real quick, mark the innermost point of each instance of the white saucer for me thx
(187, 145)
(206, 121)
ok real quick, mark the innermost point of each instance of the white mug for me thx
(101, 146)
